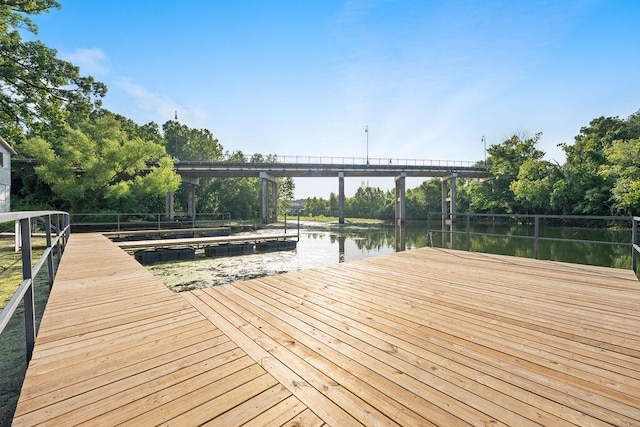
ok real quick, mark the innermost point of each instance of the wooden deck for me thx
(424, 337)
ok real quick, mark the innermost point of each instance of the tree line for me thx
(90, 159)
(601, 176)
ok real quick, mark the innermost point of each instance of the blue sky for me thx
(429, 78)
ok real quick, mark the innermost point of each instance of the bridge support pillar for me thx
(191, 183)
(401, 214)
(266, 180)
(170, 212)
(341, 197)
(449, 208)
(449, 196)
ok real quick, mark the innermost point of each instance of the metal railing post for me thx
(468, 232)
(58, 236)
(28, 299)
(634, 244)
(285, 223)
(47, 225)
(536, 236)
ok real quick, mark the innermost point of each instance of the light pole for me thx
(366, 130)
(484, 142)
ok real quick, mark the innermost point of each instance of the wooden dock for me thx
(199, 242)
(424, 337)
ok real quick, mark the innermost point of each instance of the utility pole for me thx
(176, 133)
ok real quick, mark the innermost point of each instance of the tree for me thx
(534, 186)
(334, 204)
(97, 165)
(504, 164)
(623, 169)
(315, 207)
(190, 144)
(185, 143)
(286, 188)
(587, 182)
(370, 202)
(37, 89)
(424, 199)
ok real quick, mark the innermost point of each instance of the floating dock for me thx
(149, 251)
(200, 242)
(423, 337)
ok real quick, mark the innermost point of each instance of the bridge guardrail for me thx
(25, 291)
(336, 160)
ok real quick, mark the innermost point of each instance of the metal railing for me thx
(454, 224)
(120, 221)
(634, 242)
(25, 292)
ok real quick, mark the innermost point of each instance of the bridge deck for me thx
(424, 337)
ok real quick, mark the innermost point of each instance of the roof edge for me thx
(6, 145)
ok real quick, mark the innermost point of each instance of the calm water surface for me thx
(318, 246)
(322, 245)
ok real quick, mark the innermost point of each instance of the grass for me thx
(10, 270)
(13, 363)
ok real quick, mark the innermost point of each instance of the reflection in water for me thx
(401, 240)
(318, 247)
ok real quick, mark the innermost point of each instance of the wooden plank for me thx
(279, 414)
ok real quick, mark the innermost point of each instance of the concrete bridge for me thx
(339, 167)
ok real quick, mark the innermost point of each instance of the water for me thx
(318, 246)
(322, 245)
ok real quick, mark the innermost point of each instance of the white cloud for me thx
(160, 108)
(92, 61)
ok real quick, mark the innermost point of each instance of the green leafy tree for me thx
(504, 164)
(424, 199)
(185, 143)
(286, 188)
(623, 169)
(97, 166)
(587, 191)
(37, 89)
(190, 144)
(315, 207)
(240, 197)
(334, 205)
(534, 186)
(370, 202)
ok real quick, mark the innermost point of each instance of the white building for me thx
(5, 175)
